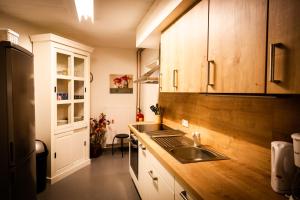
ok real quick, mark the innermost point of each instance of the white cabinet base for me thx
(69, 171)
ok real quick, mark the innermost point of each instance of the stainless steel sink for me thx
(182, 149)
(189, 154)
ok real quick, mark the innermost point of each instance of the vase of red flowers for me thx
(98, 135)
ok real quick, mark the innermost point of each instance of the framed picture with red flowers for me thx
(121, 83)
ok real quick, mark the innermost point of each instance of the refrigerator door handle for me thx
(11, 154)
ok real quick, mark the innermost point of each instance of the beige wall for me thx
(23, 28)
(119, 107)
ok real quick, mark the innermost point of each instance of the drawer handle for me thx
(142, 147)
(151, 175)
(183, 195)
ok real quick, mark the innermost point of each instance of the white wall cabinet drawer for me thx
(181, 193)
(155, 183)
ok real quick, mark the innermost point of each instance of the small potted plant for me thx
(98, 135)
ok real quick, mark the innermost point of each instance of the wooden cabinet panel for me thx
(237, 46)
(80, 145)
(142, 172)
(192, 49)
(184, 52)
(63, 151)
(284, 30)
(153, 183)
(167, 60)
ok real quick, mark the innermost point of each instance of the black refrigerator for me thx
(17, 123)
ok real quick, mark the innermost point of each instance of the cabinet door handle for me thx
(160, 81)
(209, 73)
(183, 195)
(175, 78)
(151, 175)
(272, 62)
(142, 147)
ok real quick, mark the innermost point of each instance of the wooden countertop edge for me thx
(165, 158)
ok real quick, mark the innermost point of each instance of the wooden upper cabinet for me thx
(184, 52)
(237, 46)
(283, 72)
(167, 60)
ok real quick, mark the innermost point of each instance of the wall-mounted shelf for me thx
(153, 64)
(145, 78)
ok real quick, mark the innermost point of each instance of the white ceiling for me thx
(115, 20)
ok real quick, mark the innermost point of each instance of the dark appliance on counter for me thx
(17, 137)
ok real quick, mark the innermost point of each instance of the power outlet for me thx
(185, 123)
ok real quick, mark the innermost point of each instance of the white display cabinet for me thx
(61, 73)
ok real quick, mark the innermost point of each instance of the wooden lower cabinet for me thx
(152, 182)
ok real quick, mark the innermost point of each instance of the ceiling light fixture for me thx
(85, 9)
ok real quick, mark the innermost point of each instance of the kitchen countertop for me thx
(222, 179)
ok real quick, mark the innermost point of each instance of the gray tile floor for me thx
(106, 178)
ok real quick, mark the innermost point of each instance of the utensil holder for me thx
(157, 118)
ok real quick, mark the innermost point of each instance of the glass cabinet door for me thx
(63, 114)
(79, 66)
(63, 64)
(71, 77)
(79, 88)
(63, 88)
(78, 112)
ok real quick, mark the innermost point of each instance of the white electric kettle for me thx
(282, 164)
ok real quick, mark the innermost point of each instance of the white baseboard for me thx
(68, 171)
